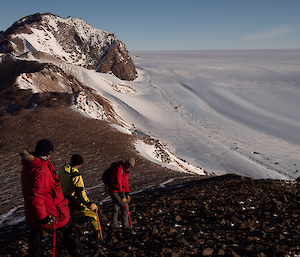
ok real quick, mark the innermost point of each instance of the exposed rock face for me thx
(71, 40)
(119, 62)
(11, 68)
(52, 87)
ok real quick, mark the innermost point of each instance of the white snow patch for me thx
(90, 107)
(157, 155)
(26, 83)
(122, 129)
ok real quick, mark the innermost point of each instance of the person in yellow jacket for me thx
(72, 185)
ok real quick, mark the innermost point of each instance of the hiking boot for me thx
(95, 236)
(128, 231)
(114, 230)
(98, 234)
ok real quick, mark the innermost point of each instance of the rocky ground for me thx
(193, 216)
(221, 216)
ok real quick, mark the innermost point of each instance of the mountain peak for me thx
(71, 40)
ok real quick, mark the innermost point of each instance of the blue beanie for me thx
(43, 148)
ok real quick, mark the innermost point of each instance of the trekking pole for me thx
(100, 230)
(54, 236)
(128, 215)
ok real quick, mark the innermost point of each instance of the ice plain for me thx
(227, 111)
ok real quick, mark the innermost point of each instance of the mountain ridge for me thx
(70, 39)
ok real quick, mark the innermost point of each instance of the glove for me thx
(128, 198)
(47, 221)
(124, 200)
(94, 207)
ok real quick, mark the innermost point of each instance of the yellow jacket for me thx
(72, 184)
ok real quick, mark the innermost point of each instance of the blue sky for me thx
(178, 25)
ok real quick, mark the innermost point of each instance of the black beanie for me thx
(76, 159)
(43, 148)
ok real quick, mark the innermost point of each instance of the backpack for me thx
(107, 173)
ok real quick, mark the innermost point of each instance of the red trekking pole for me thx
(100, 230)
(54, 237)
(128, 215)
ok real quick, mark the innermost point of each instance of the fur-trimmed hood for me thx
(29, 159)
(26, 156)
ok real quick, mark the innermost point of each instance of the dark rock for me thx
(221, 252)
(207, 251)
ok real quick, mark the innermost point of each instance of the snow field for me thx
(212, 109)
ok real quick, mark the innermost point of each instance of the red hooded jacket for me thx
(119, 179)
(42, 193)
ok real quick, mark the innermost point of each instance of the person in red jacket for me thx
(45, 205)
(119, 192)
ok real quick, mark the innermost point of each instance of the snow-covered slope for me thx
(226, 111)
(95, 94)
(223, 112)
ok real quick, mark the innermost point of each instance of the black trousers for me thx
(70, 239)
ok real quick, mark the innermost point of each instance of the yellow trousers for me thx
(91, 215)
